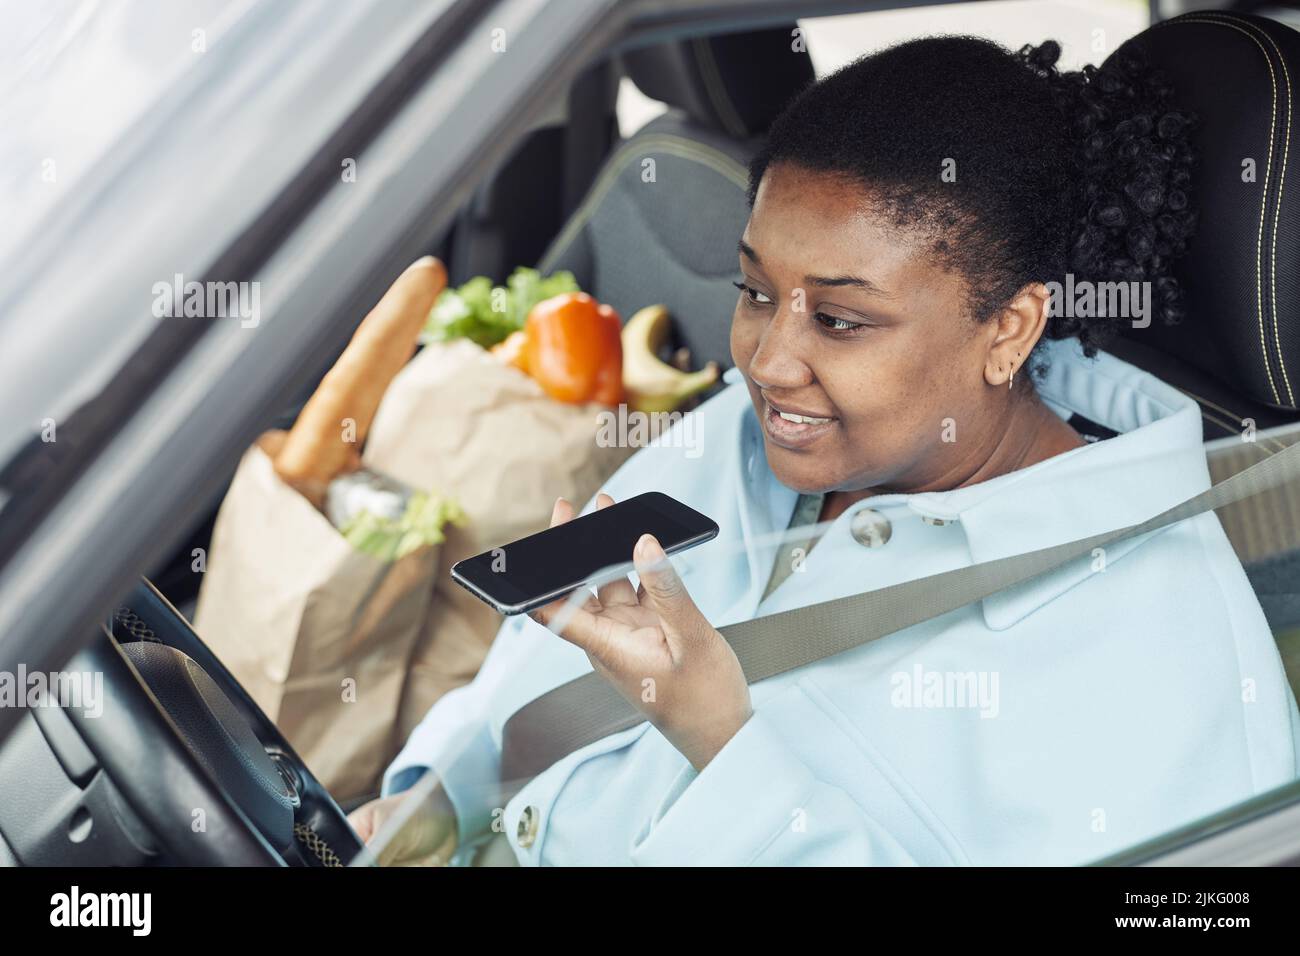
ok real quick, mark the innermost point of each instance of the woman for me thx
(908, 215)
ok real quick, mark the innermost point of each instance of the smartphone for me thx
(543, 567)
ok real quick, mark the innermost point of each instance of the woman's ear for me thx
(1018, 327)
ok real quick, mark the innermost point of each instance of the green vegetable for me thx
(421, 524)
(486, 314)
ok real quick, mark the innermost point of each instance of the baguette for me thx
(322, 445)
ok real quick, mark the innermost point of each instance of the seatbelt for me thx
(588, 708)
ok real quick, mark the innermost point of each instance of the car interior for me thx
(627, 243)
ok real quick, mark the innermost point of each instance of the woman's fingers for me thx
(585, 624)
(556, 614)
(364, 822)
(561, 512)
(663, 591)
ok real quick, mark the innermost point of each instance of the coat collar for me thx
(1154, 462)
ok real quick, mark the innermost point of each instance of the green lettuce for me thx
(420, 524)
(469, 313)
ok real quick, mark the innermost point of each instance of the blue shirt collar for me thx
(1154, 462)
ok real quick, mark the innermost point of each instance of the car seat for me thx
(661, 222)
(1237, 351)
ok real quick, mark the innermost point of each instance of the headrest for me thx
(1241, 275)
(736, 83)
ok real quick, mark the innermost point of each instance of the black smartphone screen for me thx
(538, 569)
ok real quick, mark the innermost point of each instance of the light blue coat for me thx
(1055, 723)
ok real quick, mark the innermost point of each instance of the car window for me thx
(134, 201)
(1263, 532)
(1087, 32)
(81, 71)
(832, 42)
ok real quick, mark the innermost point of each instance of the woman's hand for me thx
(657, 649)
(427, 839)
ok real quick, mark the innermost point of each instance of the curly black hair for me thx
(1085, 172)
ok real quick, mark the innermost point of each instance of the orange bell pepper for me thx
(573, 349)
(511, 350)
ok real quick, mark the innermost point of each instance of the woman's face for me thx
(848, 320)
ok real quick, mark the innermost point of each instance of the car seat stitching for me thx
(1224, 423)
(1231, 424)
(1230, 429)
(1263, 209)
(1281, 185)
(1232, 416)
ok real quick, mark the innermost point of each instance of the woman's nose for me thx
(777, 363)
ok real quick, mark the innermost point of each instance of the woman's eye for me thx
(753, 295)
(836, 324)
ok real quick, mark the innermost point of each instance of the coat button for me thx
(870, 528)
(529, 821)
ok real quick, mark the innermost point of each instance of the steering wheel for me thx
(210, 777)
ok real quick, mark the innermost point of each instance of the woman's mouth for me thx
(793, 429)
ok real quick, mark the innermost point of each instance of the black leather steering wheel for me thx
(205, 771)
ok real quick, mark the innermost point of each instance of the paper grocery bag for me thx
(344, 652)
(318, 633)
(459, 420)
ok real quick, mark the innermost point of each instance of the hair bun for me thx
(1042, 58)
